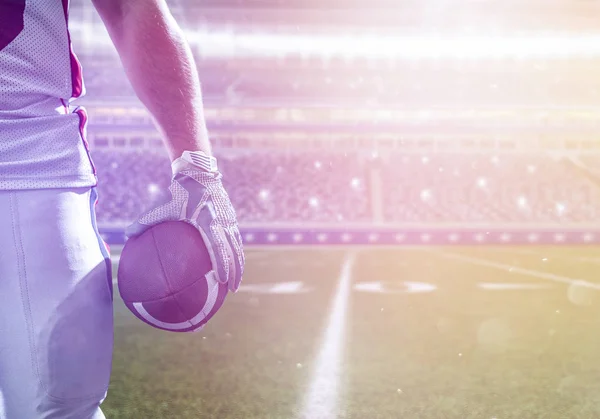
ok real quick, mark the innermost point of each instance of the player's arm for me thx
(160, 66)
(159, 63)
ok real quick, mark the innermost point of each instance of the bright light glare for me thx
(226, 43)
(263, 194)
(400, 46)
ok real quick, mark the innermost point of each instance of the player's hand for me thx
(197, 196)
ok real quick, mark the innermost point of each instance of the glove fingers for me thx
(239, 250)
(235, 277)
(149, 220)
(240, 247)
(165, 209)
(227, 259)
(215, 241)
(216, 247)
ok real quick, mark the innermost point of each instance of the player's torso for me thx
(41, 135)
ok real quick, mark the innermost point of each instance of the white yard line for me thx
(321, 399)
(521, 271)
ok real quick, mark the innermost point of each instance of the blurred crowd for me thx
(347, 188)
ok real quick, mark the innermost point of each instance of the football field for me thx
(377, 333)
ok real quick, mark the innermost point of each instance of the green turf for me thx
(456, 352)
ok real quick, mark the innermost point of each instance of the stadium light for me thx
(263, 194)
(228, 42)
(153, 189)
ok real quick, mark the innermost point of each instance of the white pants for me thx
(56, 316)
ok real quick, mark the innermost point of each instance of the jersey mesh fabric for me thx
(41, 137)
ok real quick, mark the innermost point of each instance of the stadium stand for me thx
(265, 187)
(338, 187)
(478, 188)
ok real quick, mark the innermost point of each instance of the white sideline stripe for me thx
(321, 400)
(522, 271)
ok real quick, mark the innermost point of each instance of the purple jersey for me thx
(42, 136)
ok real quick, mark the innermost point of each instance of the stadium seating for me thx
(478, 188)
(339, 188)
(265, 187)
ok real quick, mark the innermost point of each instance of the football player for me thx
(56, 324)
